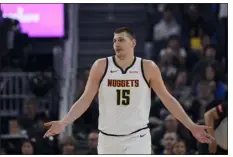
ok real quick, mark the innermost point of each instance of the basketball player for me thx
(123, 83)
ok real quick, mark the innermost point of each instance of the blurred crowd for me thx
(189, 44)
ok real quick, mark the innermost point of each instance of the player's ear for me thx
(134, 42)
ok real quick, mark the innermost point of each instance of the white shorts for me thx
(137, 143)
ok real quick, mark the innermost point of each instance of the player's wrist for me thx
(63, 122)
(191, 126)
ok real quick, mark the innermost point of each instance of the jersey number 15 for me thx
(123, 96)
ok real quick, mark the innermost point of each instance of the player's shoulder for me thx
(99, 67)
(147, 64)
(100, 63)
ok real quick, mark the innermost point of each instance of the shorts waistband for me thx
(107, 134)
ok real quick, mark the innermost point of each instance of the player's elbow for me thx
(87, 96)
(208, 116)
(211, 114)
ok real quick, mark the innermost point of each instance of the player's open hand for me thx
(56, 127)
(199, 132)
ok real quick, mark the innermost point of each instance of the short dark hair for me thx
(127, 30)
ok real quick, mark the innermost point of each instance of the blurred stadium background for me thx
(45, 58)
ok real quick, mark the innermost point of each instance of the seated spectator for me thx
(210, 53)
(205, 43)
(68, 146)
(168, 70)
(204, 98)
(194, 22)
(196, 27)
(27, 148)
(92, 143)
(167, 26)
(174, 52)
(197, 53)
(216, 85)
(182, 91)
(209, 58)
(172, 58)
(170, 125)
(30, 114)
(36, 132)
(179, 148)
(169, 139)
(14, 128)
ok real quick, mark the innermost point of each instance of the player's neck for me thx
(125, 62)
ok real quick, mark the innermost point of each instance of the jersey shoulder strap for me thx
(143, 71)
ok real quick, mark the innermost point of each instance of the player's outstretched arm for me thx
(82, 104)
(92, 86)
(153, 74)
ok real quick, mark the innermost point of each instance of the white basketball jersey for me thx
(124, 98)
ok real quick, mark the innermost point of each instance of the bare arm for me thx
(211, 116)
(92, 86)
(153, 74)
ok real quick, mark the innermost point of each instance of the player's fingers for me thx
(206, 140)
(206, 127)
(210, 137)
(50, 131)
(202, 140)
(48, 124)
(45, 135)
(51, 134)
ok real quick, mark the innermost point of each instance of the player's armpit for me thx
(82, 104)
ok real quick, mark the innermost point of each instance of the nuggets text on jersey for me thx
(123, 83)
